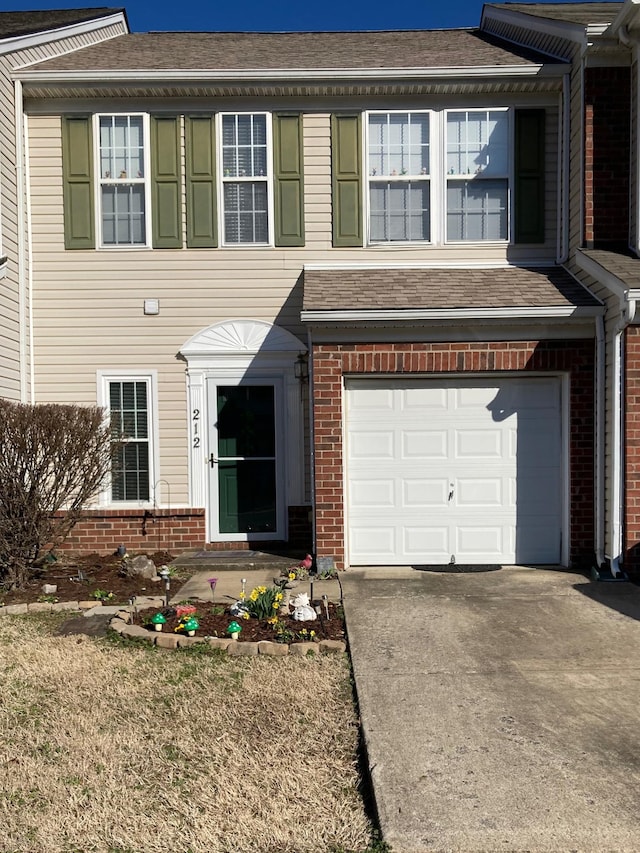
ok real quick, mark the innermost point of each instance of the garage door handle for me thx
(450, 492)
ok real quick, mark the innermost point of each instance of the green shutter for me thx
(201, 182)
(288, 180)
(346, 178)
(166, 202)
(77, 177)
(529, 176)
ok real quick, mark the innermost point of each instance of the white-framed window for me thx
(477, 164)
(399, 176)
(123, 179)
(245, 167)
(130, 402)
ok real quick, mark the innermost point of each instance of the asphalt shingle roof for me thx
(14, 24)
(268, 51)
(624, 267)
(573, 13)
(401, 288)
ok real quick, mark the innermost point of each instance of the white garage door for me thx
(464, 471)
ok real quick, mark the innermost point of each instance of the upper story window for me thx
(123, 185)
(246, 191)
(477, 175)
(399, 188)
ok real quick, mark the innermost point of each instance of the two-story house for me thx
(327, 285)
(27, 37)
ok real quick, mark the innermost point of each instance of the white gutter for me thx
(141, 75)
(21, 243)
(599, 467)
(27, 178)
(399, 314)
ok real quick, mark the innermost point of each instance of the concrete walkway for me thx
(500, 710)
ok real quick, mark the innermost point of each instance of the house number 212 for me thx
(196, 418)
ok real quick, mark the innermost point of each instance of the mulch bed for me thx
(77, 578)
(215, 624)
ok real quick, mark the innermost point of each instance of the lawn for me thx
(110, 746)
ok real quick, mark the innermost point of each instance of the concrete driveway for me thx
(500, 710)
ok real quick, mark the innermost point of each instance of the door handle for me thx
(212, 460)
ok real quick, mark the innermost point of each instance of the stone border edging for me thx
(120, 624)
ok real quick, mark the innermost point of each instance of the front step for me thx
(233, 561)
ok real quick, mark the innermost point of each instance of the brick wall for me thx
(607, 157)
(631, 529)
(332, 361)
(171, 530)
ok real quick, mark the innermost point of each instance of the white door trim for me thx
(246, 350)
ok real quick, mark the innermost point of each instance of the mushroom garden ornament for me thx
(158, 620)
(234, 630)
(191, 626)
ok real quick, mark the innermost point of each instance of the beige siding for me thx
(10, 381)
(88, 305)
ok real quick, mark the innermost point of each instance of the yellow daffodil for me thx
(292, 576)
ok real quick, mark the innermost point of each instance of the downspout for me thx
(21, 243)
(27, 177)
(312, 451)
(627, 316)
(600, 441)
(564, 165)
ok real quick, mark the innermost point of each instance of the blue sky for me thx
(283, 14)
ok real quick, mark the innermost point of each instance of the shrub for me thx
(53, 460)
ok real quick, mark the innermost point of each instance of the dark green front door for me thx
(244, 460)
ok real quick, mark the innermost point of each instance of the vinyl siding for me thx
(10, 368)
(88, 305)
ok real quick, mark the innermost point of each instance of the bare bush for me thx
(53, 460)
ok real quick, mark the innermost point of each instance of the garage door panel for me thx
(418, 540)
(424, 492)
(375, 543)
(424, 444)
(415, 399)
(480, 492)
(372, 445)
(373, 493)
(479, 444)
(464, 468)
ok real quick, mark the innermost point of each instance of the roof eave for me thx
(280, 74)
(552, 312)
(15, 43)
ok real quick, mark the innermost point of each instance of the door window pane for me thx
(246, 421)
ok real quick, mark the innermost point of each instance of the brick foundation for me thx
(173, 530)
(332, 361)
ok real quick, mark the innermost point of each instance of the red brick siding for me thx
(332, 361)
(170, 530)
(631, 529)
(607, 156)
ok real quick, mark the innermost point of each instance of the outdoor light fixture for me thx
(164, 574)
(301, 368)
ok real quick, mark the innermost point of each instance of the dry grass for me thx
(124, 749)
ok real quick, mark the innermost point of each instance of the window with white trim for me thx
(399, 187)
(477, 175)
(246, 173)
(123, 183)
(129, 404)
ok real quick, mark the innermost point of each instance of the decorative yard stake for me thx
(325, 601)
(212, 583)
(244, 584)
(234, 630)
(311, 591)
(158, 620)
